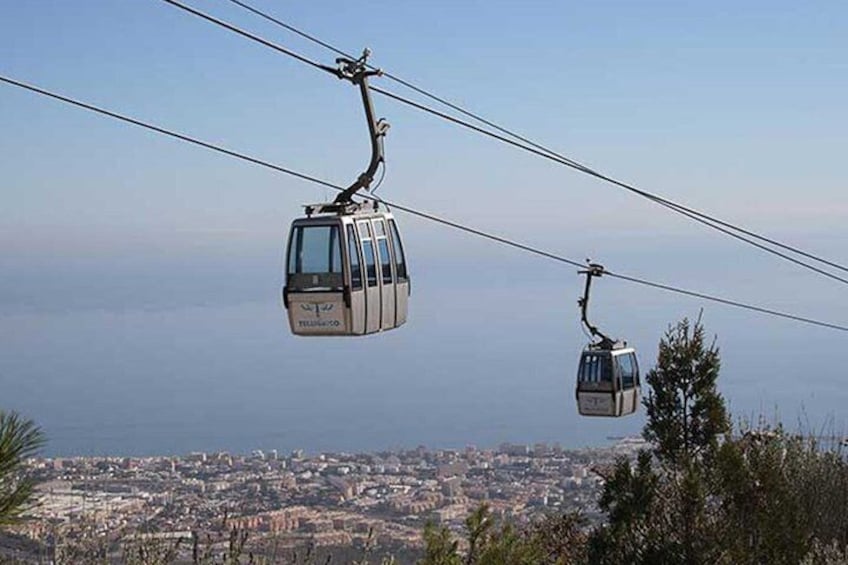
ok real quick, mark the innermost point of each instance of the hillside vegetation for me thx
(704, 493)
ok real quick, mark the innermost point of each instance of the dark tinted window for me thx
(400, 260)
(628, 370)
(595, 368)
(635, 367)
(355, 267)
(368, 250)
(588, 368)
(293, 245)
(370, 263)
(385, 260)
(315, 249)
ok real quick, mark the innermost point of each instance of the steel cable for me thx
(542, 151)
(412, 211)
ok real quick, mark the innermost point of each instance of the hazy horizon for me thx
(117, 357)
(140, 277)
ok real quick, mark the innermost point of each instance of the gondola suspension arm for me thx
(593, 270)
(357, 72)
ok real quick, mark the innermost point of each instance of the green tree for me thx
(439, 547)
(635, 521)
(686, 414)
(561, 537)
(700, 494)
(19, 439)
(555, 540)
(659, 511)
(782, 497)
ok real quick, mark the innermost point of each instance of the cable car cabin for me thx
(608, 382)
(346, 275)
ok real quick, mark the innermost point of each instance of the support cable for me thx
(689, 213)
(252, 37)
(412, 211)
(542, 151)
(392, 77)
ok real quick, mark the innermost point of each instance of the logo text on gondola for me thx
(318, 323)
(318, 308)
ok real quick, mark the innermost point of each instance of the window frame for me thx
(401, 268)
(294, 262)
(386, 262)
(354, 258)
(628, 378)
(368, 242)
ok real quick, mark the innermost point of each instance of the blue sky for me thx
(738, 109)
(734, 108)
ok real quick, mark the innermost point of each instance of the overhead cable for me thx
(412, 211)
(543, 151)
(675, 207)
(247, 35)
(389, 75)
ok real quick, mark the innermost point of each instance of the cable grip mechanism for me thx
(357, 72)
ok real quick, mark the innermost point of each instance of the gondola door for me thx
(315, 280)
(628, 375)
(596, 394)
(387, 276)
(372, 281)
(617, 395)
(356, 287)
(401, 276)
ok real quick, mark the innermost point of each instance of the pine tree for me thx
(699, 495)
(686, 414)
(439, 547)
(555, 540)
(659, 514)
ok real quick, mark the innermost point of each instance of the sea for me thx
(142, 357)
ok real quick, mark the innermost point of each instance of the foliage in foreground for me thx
(555, 540)
(701, 494)
(19, 439)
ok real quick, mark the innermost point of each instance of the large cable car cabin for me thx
(608, 375)
(346, 273)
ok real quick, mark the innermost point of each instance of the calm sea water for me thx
(159, 360)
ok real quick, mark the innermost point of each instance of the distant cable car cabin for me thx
(346, 272)
(608, 375)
